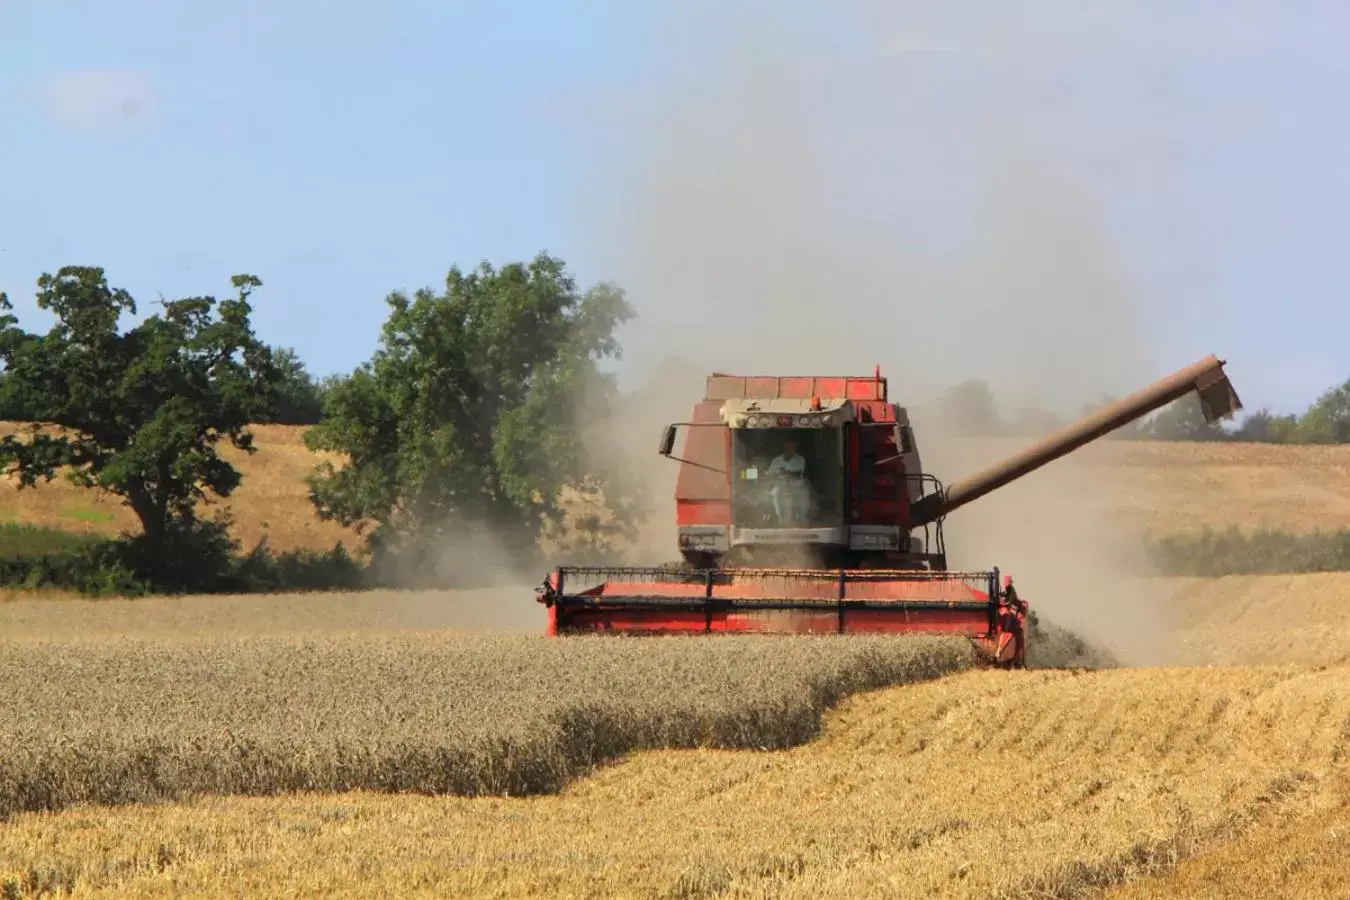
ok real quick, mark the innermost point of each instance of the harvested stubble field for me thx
(1261, 620)
(1298, 852)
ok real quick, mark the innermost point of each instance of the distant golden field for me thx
(1164, 487)
(272, 501)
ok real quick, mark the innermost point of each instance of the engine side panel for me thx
(703, 495)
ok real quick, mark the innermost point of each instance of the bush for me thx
(32, 557)
(264, 571)
(24, 541)
(199, 560)
(1212, 553)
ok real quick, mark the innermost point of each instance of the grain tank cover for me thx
(745, 412)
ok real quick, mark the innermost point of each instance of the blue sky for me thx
(1066, 200)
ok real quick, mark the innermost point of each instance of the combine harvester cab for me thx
(803, 509)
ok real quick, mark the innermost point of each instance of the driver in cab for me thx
(790, 494)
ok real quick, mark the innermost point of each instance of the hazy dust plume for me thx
(779, 207)
(376, 613)
(1054, 534)
(775, 208)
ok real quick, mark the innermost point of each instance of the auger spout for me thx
(1207, 378)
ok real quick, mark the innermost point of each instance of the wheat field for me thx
(134, 719)
(985, 784)
(1076, 780)
(285, 745)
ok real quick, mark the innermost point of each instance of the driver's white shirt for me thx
(794, 466)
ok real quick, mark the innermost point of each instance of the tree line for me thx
(484, 405)
(472, 414)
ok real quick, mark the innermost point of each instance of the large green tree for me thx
(1263, 426)
(1327, 420)
(139, 412)
(1184, 420)
(299, 396)
(473, 413)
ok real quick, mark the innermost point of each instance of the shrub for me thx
(201, 559)
(1213, 553)
(32, 557)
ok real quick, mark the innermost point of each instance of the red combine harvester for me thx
(803, 508)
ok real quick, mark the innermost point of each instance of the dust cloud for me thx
(494, 593)
(776, 211)
(792, 194)
(376, 612)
